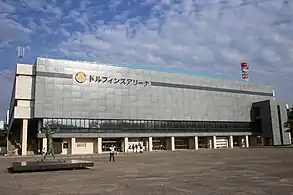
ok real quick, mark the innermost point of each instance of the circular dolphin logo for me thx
(80, 77)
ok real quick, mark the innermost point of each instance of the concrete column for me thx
(125, 149)
(214, 142)
(246, 141)
(147, 145)
(231, 142)
(172, 143)
(196, 143)
(24, 137)
(150, 144)
(209, 142)
(44, 148)
(99, 145)
(72, 145)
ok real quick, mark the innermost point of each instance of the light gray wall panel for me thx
(65, 98)
(284, 118)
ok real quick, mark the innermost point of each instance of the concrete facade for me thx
(167, 96)
(272, 120)
(78, 93)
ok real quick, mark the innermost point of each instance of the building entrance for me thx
(136, 145)
(181, 143)
(108, 142)
(159, 143)
(238, 141)
(202, 142)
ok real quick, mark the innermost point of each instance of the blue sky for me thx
(207, 36)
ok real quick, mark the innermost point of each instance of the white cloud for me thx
(6, 8)
(211, 36)
(10, 28)
(12, 31)
(34, 4)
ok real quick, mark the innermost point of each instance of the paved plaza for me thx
(226, 171)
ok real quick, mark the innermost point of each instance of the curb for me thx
(66, 156)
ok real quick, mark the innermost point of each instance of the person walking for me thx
(132, 147)
(112, 151)
(136, 148)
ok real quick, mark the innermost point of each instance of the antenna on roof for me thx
(20, 52)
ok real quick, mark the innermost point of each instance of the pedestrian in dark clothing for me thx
(112, 150)
(136, 147)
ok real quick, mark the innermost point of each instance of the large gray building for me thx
(97, 105)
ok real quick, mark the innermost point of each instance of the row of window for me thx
(142, 124)
(163, 131)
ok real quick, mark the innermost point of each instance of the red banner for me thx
(244, 70)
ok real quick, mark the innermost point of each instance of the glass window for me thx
(150, 124)
(77, 122)
(92, 123)
(82, 123)
(136, 124)
(157, 124)
(143, 124)
(86, 123)
(49, 121)
(183, 124)
(103, 124)
(163, 124)
(54, 121)
(63, 122)
(45, 122)
(68, 122)
(73, 122)
(176, 124)
(115, 124)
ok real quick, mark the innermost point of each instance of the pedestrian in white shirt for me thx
(112, 151)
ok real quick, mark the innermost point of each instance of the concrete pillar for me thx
(246, 141)
(214, 142)
(125, 146)
(172, 143)
(231, 142)
(24, 137)
(99, 145)
(44, 144)
(72, 145)
(150, 144)
(196, 143)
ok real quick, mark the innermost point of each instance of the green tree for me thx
(3, 136)
(289, 123)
